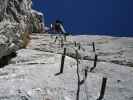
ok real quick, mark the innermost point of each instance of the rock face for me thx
(16, 19)
(32, 74)
(37, 22)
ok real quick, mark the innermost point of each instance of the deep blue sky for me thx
(90, 16)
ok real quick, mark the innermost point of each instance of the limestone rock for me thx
(37, 22)
(15, 24)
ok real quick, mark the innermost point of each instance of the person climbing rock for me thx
(58, 28)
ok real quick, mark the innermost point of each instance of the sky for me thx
(109, 17)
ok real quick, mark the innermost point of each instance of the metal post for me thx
(62, 62)
(95, 63)
(103, 88)
(79, 46)
(75, 44)
(95, 60)
(93, 44)
(55, 39)
(85, 75)
(78, 87)
(64, 37)
(62, 44)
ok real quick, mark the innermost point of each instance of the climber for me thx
(60, 29)
(57, 27)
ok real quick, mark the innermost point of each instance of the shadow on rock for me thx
(5, 59)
